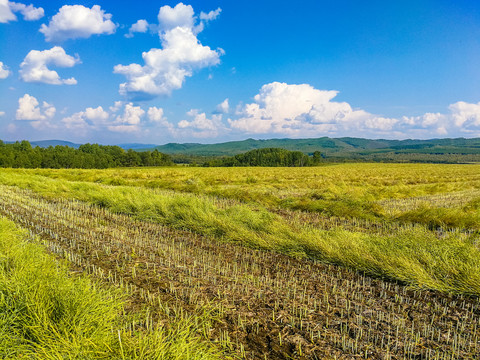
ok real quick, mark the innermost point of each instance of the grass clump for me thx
(414, 256)
(47, 314)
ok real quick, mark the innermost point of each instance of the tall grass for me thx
(343, 190)
(415, 255)
(47, 314)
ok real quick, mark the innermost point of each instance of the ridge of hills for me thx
(329, 146)
(451, 150)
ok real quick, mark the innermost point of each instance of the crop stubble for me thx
(262, 304)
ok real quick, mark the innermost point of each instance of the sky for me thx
(155, 72)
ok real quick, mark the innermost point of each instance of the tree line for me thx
(21, 154)
(269, 157)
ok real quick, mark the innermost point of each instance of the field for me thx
(347, 261)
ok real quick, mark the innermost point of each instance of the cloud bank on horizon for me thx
(279, 109)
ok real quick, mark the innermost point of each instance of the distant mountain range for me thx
(450, 150)
(346, 146)
(47, 143)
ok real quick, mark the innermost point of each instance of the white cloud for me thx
(131, 115)
(6, 13)
(2, 113)
(141, 26)
(380, 123)
(212, 15)
(75, 121)
(91, 117)
(30, 13)
(155, 114)
(29, 109)
(179, 16)
(129, 121)
(78, 21)
(97, 114)
(34, 66)
(165, 69)
(201, 126)
(223, 107)
(294, 109)
(427, 120)
(49, 110)
(117, 106)
(158, 120)
(302, 110)
(465, 114)
(4, 72)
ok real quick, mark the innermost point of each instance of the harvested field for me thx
(261, 304)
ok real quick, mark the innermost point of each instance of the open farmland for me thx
(377, 261)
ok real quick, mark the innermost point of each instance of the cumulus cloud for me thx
(97, 114)
(292, 109)
(34, 66)
(157, 119)
(165, 69)
(2, 113)
(129, 121)
(465, 114)
(7, 9)
(78, 21)
(201, 125)
(6, 13)
(179, 16)
(131, 115)
(91, 117)
(29, 109)
(223, 107)
(432, 122)
(302, 110)
(155, 114)
(4, 72)
(75, 121)
(141, 26)
(30, 13)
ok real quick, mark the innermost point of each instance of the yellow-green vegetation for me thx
(256, 304)
(46, 313)
(346, 190)
(374, 218)
(342, 261)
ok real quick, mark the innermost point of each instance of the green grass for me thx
(414, 254)
(47, 314)
(345, 190)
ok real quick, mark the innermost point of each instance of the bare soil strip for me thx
(262, 304)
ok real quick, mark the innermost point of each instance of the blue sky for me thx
(215, 71)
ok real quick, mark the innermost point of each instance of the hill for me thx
(333, 147)
(232, 148)
(47, 143)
